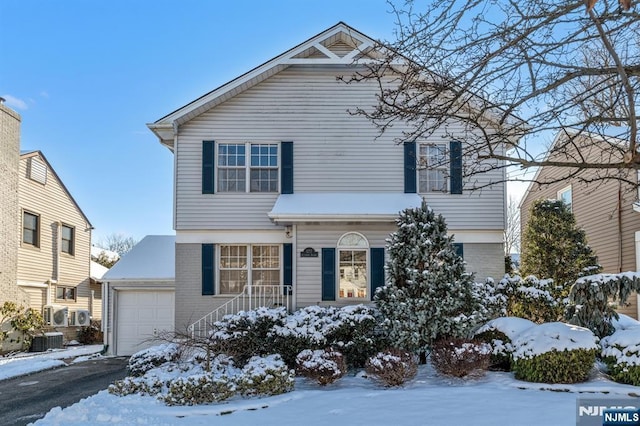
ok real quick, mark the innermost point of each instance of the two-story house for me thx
(278, 184)
(607, 210)
(54, 246)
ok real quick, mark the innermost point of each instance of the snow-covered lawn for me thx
(31, 362)
(430, 399)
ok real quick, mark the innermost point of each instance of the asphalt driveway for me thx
(26, 399)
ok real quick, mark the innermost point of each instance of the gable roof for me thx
(28, 154)
(338, 45)
(152, 259)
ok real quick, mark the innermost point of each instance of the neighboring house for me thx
(138, 296)
(9, 210)
(278, 185)
(608, 211)
(55, 242)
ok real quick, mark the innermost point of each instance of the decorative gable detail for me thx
(37, 170)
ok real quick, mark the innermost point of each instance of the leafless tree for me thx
(512, 230)
(512, 75)
(118, 243)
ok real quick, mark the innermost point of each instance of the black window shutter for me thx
(455, 152)
(287, 272)
(328, 274)
(377, 269)
(208, 167)
(410, 162)
(286, 168)
(208, 281)
(459, 248)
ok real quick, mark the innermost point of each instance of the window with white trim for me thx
(31, 229)
(353, 253)
(566, 197)
(241, 264)
(67, 239)
(65, 293)
(239, 163)
(433, 170)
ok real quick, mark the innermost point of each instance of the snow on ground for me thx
(430, 399)
(31, 362)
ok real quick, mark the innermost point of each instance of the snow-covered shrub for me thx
(267, 375)
(324, 366)
(621, 353)
(554, 353)
(500, 333)
(199, 389)
(554, 247)
(304, 329)
(246, 334)
(353, 331)
(460, 357)
(136, 385)
(392, 367)
(428, 294)
(590, 300)
(152, 357)
(493, 302)
(531, 298)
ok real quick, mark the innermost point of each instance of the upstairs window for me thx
(248, 162)
(433, 166)
(68, 234)
(31, 229)
(565, 196)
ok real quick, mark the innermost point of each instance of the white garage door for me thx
(141, 315)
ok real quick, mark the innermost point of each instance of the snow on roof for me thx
(152, 259)
(333, 206)
(97, 271)
(111, 255)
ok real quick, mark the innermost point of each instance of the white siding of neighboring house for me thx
(333, 152)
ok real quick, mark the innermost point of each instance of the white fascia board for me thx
(22, 283)
(371, 218)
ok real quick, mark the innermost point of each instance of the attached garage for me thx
(139, 296)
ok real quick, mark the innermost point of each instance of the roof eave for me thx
(335, 218)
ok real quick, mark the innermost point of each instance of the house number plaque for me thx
(309, 252)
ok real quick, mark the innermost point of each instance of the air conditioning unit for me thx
(81, 318)
(55, 315)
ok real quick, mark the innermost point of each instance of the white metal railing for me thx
(251, 297)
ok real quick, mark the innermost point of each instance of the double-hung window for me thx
(67, 239)
(31, 229)
(433, 168)
(239, 163)
(241, 264)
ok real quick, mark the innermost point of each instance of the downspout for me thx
(175, 175)
(619, 226)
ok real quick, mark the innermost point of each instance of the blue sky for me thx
(86, 77)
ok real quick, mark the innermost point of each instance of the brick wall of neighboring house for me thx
(9, 210)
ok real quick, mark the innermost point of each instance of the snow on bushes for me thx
(392, 367)
(198, 389)
(621, 353)
(554, 353)
(591, 298)
(500, 333)
(460, 357)
(263, 376)
(324, 366)
(531, 298)
(351, 329)
(146, 359)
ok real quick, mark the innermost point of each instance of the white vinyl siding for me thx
(334, 151)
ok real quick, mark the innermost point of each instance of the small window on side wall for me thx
(66, 293)
(566, 197)
(31, 229)
(68, 239)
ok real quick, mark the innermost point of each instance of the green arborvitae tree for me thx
(429, 294)
(554, 247)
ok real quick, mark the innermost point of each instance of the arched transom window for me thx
(353, 252)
